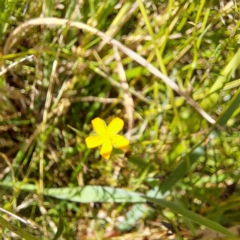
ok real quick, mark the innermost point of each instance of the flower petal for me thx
(106, 149)
(120, 142)
(99, 126)
(94, 141)
(115, 126)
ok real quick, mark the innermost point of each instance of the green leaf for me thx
(94, 194)
(85, 194)
(181, 170)
(211, 100)
(139, 162)
(185, 165)
(137, 212)
(60, 229)
(20, 232)
(191, 215)
(229, 110)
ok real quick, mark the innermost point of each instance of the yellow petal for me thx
(94, 141)
(115, 126)
(120, 142)
(99, 126)
(106, 149)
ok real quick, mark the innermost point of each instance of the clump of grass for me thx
(169, 70)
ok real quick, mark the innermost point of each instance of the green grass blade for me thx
(185, 165)
(181, 170)
(60, 229)
(20, 232)
(191, 215)
(226, 74)
(229, 110)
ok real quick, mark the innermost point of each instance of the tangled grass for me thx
(169, 69)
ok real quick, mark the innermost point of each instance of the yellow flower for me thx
(107, 136)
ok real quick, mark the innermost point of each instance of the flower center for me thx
(109, 136)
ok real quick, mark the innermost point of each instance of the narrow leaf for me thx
(20, 232)
(191, 215)
(59, 230)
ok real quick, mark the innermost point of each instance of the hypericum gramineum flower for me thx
(107, 136)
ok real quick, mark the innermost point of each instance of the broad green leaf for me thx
(86, 194)
(94, 194)
(137, 212)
